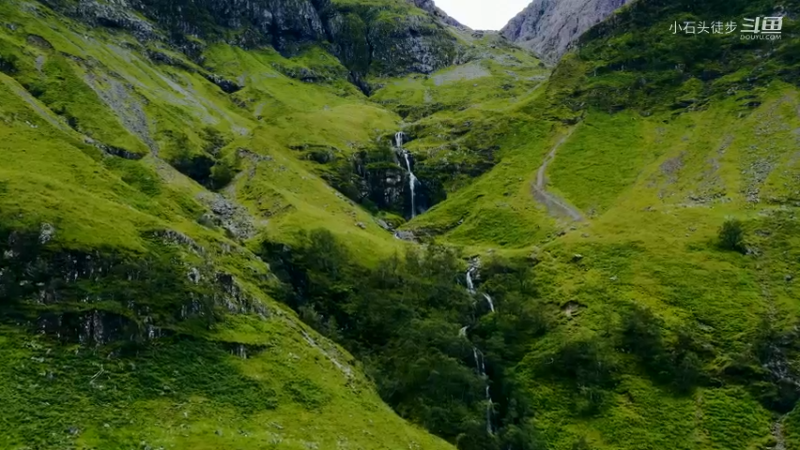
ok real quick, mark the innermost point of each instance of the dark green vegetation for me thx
(199, 201)
(731, 236)
(402, 319)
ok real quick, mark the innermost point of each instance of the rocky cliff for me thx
(391, 39)
(548, 27)
(430, 6)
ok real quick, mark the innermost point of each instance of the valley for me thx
(359, 224)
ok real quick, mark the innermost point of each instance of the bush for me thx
(8, 64)
(675, 362)
(589, 364)
(222, 174)
(641, 334)
(581, 444)
(731, 236)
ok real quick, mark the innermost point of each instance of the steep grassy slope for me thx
(154, 158)
(133, 314)
(667, 137)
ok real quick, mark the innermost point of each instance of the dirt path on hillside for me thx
(554, 205)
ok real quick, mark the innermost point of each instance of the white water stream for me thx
(480, 365)
(412, 179)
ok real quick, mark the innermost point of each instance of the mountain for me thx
(153, 155)
(549, 27)
(349, 224)
(430, 6)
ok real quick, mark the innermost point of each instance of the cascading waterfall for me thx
(471, 289)
(480, 364)
(488, 411)
(412, 179)
(480, 367)
(470, 285)
(489, 300)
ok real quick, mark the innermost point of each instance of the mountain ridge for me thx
(548, 28)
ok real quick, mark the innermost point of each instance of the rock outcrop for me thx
(366, 38)
(549, 27)
(430, 6)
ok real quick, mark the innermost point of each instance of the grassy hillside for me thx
(208, 238)
(133, 313)
(664, 339)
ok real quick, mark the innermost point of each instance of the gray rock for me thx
(194, 275)
(405, 236)
(172, 237)
(383, 224)
(46, 233)
(115, 14)
(549, 27)
(409, 43)
(430, 7)
(231, 216)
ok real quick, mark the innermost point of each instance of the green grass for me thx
(192, 393)
(655, 179)
(187, 391)
(600, 160)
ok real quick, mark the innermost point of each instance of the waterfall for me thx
(488, 411)
(489, 300)
(471, 288)
(470, 285)
(241, 351)
(480, 367)
(412, 179)
(480, 364)
(463, 332)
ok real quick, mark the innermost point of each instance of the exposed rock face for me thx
(366, 38)
(549, 27)
(94, 297)
(278, 22)
(391, 45)
(387, 188)
(430, 6)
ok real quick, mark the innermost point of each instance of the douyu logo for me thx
(762, 28)
(759, 28)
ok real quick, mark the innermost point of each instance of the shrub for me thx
(222, 174)
(8, 64)
(731, 236)
(641, 334)
(581, 444)
(587, 363)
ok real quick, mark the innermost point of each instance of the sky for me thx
(482, 14)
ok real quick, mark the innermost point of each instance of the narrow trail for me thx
(554, 205)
